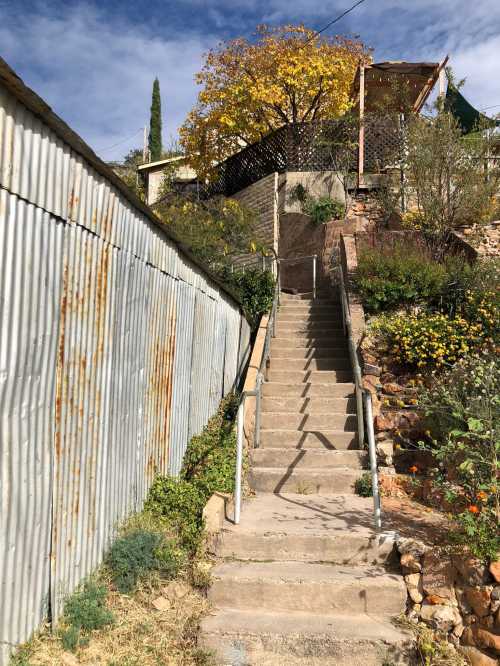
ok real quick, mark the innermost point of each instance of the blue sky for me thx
(94, 62)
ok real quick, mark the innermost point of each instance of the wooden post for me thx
(442, 82)
(361, 151)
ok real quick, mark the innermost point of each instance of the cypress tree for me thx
(155, 147)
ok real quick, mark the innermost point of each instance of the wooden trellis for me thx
(301, 147)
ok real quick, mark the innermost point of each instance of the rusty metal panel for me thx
(115, 349)
(125, 481)
(217, 356)
(182, 373)
(204, 319)
(83, 368)
(244, 346)
(34, 163)
(30, 275)
(161, 333)
(232, 347)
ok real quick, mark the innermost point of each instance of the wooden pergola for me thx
(373, 84)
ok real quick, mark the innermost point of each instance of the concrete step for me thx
(309, 376)
(330, 318)
(303, 481)
(339, 363)
(287, 421)
(255, 638)
(307, 459)
(305, 310)
(305, 587)
(308, 390)
(307, 326)
(278, 351)
(325, 439)
(306, 528)
(317, 338)
(318, 405)
(306, 297)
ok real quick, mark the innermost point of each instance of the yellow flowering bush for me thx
(430, 339)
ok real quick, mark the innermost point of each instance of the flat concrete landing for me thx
(306, 514)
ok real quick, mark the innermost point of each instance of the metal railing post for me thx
(239, 462)
(258, 388)
(314, 276)
(363, 399)
(373, 462)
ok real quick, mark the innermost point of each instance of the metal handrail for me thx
(256, 393)
(364, 406)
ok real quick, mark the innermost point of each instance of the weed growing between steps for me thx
(432, 648)
(363, 485)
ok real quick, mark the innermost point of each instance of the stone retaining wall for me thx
(456, 595)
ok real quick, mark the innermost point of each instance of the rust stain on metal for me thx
(160, 395)
(60, 362)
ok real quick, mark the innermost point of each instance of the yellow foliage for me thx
(251, 88)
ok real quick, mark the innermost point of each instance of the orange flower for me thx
(413, 469)
(482, 496)
(473, 508)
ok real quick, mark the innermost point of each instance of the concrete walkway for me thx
(304, 579)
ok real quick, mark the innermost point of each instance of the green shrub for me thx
(323, 209)
(363, 486)
(84, 611)
(181, 502)
(402, 274)
(320, 209)
(131, 556)
(463, 412)
(138, 552)
(429, 339)
(210, 458)
(209, 465)
(255, 288)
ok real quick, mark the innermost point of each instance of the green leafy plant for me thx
(84, 611)
(429, 339)
(215, 231)
(320, 209)
(209, 464)
(255, 288)
(363, 486)
(182, 504)
(463, 412)
(402, 274)
(323, 209)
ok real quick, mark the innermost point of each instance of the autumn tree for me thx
(287, 75)
(155, 147)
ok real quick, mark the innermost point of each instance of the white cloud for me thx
(97, 72)
(98, 75)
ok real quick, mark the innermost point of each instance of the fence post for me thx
(239, 462)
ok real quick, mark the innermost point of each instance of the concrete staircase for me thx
(304, 579)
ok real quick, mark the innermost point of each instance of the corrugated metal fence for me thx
(115, 348)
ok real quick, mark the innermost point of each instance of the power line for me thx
(335, 20)
(493, 106)
(103, 150)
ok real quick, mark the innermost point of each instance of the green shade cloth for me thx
(467, 116)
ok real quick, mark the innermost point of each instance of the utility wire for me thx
(493, 106)
(103, 150)
(335, 20)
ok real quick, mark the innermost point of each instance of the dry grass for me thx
(432, 648)
(141, 635)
